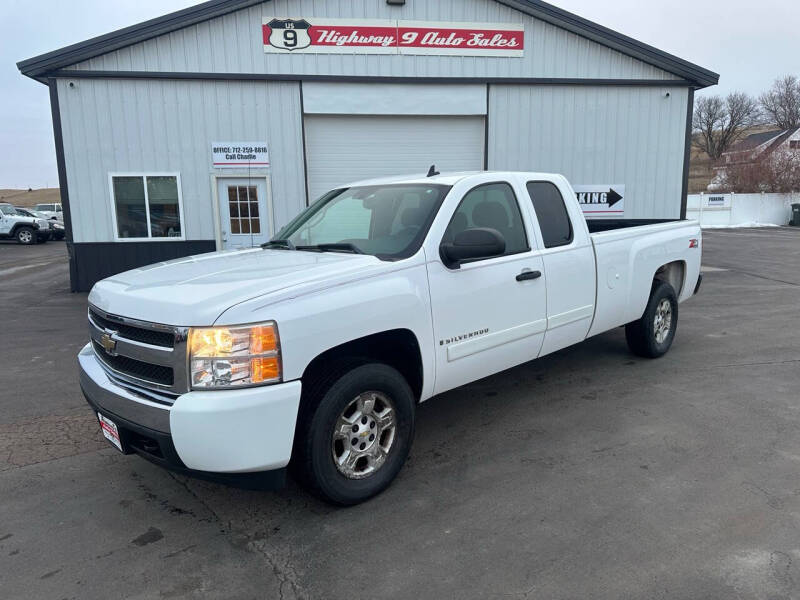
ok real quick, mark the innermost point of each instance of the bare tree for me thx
(778, 172)
(781, 103)
(719, 122)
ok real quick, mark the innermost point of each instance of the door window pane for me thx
(492, 206)
(551, 212)
(131, 207)
(162, 194)
(243, 209)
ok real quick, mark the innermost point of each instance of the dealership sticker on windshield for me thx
(110, 431)
(362, 36)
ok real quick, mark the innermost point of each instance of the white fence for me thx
(741, 210)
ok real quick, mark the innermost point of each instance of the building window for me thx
(243, 207)
(147, 206)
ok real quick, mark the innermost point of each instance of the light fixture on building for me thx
(396, 2)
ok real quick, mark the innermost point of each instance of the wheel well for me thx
(18, 226)
(398, 348)
(673, 273)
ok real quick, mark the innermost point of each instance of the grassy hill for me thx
(30, 198)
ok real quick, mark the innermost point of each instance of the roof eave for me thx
(69, 55)
(543, 11)
(39, 66)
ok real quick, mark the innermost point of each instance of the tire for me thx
(651, 336)
(25, 235)
(348, 457)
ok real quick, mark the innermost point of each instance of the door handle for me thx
(526, 275)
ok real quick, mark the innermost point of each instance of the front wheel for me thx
(26, 235)
(355, 441)
(652, 335)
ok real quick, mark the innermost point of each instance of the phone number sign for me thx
(356, 36)
(239, 155)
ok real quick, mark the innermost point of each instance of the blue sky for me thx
(748, 44)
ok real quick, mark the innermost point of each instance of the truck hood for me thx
(198, 289)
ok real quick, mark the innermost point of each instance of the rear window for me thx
(551, 213)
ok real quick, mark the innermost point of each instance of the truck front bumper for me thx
(240, 437)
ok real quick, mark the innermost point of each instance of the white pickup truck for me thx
(316, 348)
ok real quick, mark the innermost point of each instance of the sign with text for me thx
(359, 36)
(601, 200)
(239, 155)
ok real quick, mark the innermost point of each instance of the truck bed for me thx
(598, 225)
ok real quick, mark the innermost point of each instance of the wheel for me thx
(353, 442)
(652, 335)
(26, 235)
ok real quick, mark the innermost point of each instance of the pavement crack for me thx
(203, 503)
(756, 364)
(288, 580)
(756, 275)
(289, 587)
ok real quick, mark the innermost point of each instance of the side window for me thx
(551, 213)
(492, 205)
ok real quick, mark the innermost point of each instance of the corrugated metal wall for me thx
(113, 125)
(595, 135)
(233, 44)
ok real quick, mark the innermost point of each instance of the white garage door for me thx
(342, 148)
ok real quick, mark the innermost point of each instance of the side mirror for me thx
(472, 244)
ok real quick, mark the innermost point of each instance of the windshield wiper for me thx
(279, 244)
(339, 247)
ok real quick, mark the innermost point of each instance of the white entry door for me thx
(245, 221)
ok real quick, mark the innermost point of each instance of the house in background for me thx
(752, 150)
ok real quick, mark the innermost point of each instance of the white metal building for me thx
(211, 127)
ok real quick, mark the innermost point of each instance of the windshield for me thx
(387, 221)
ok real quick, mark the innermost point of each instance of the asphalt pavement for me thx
(589, 473)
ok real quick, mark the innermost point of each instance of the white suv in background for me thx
(24, 229)
(52, 211)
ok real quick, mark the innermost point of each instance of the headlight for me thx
(222, 357)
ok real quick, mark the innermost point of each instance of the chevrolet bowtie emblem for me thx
(109, 344)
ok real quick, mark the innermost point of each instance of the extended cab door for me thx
(488, 314)
(569, 262)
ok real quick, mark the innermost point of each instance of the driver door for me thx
(488, 314)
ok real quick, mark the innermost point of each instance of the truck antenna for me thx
(432, 171)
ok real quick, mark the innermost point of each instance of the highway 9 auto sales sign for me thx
(355, 36)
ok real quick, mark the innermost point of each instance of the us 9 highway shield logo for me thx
(289, 34)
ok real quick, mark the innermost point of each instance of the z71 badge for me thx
(289, 34)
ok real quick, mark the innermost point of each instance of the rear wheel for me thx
(355, 440)
(652, 335)
(26, 235)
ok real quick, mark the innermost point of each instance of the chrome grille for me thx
(157, 374)
(153, 337)
(147, 356)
